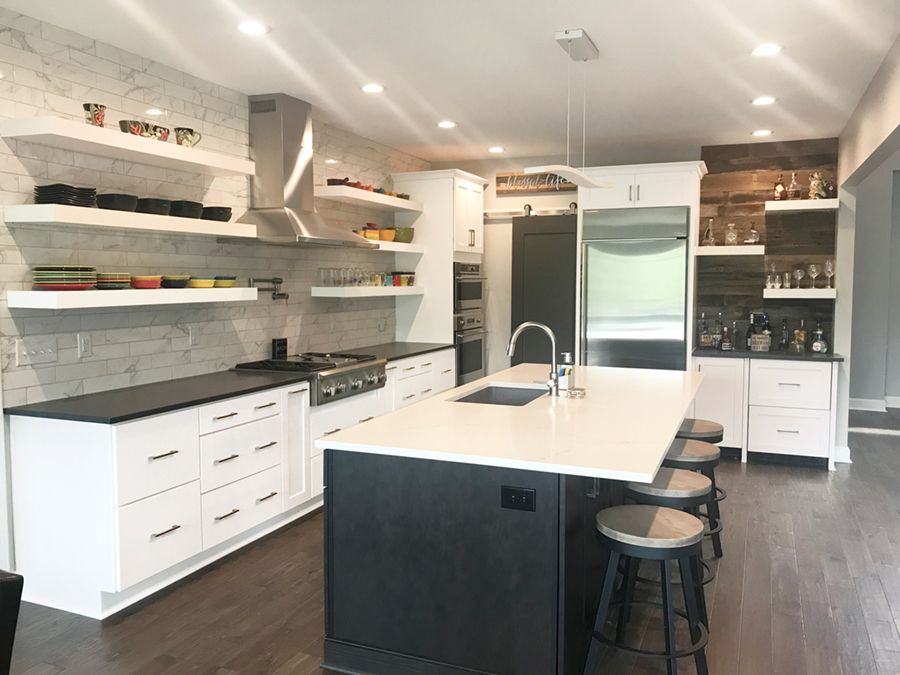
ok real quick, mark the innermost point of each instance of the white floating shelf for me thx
(801, 205)
(394, 247)
(800, 293)
(109, 142)
(747, 249)
(372, 200)
(59, 214)
(126, 297)
(365, 291)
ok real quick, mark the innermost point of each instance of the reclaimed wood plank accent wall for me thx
(740, 180)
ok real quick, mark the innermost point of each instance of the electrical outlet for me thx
(518, 498)
(85, 345)
(31, 351)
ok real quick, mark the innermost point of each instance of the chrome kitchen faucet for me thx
(553, 382)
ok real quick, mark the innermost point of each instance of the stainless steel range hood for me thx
(282, 199)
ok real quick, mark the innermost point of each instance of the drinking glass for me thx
(346, 276)
(829, 270)
(324, 277)
(358, 276)
(798, 275)
(787, 280)
(777, 281)
(770, 283)
(813, 270)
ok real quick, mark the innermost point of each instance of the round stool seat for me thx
(674, 483)
(701, 430)
(686, 450)
(649, 526)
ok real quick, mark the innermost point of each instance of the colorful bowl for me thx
(404, 235)
(202, 282)
(387, 234)
(146, 281)
(228, 282)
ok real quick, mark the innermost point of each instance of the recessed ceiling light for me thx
(446, 124)
(155, 112)
(763, 100)
(759, 133)
(331, 161)
(496, 149)
(766, 49)
(373, 88)
(253, 27)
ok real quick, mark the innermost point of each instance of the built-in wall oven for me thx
(471, 346)
(468, 286)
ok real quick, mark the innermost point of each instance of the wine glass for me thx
(798, 275)
(813, 271)
(829, 270)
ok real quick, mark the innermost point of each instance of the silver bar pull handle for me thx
(638, 193)
(788, 384)
(449, 370)
(426, 391)
(471, 237)
(333, 431)
(391, 368)
(406, 370)
(226, 459)
(298, 391)
(269, 496)
(157, 535)
(788, 431)
(265, 405)
(408, 396)
(630, 191)
(224, 417)
(266, 445)
(153, 458)
(227, 515)
(366, 419)
(425, 365)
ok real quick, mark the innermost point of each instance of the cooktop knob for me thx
(328, 391)
(371, 378)
(341, 387)
(382, 377)
(356, 384)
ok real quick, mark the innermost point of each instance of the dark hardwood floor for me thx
(810, 585)
(876, 420)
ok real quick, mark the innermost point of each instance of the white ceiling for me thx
(672, 75)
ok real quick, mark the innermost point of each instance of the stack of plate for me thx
(64, 277)
(60, 193)
(113, 281)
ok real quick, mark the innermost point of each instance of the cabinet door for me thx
(295, 453)
(721, 397)
(663, 189)
(619, 194)
(468, 217)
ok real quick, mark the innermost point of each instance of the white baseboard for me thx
(842, 454)
(892, 401)
(874, 431)
(870, 404)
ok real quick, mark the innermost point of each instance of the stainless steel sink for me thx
(498, 395)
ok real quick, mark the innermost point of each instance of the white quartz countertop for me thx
(620, 430)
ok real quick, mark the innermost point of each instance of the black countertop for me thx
(777, 356)
(129, 403)
(400, 350)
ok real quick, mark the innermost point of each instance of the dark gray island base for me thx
(427, 572)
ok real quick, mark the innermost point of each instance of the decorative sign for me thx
(531, 184)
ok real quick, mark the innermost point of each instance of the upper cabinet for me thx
(674, 184)
(468, 216)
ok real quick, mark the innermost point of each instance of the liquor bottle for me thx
(794, 190)
(717, 332)
(726, 345)
(767, 331)
(800, 335)
(704, 339)
(785, 337)
(709, 239)
(751, 329)
(819, 345)
(779, 191)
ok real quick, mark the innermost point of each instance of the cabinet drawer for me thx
(406, 368)
(158, 532)
(234, 411)
(788, 431)
(317, 473)
(227, 456)
(411, 390)
(332, 417)
(791, 384)
(156, 454)
(237, 507)
(444, 374)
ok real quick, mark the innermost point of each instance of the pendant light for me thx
(579, 47)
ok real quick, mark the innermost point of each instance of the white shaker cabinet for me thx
(643, 185)
(468, 216)
(295, 458)
(721, 396)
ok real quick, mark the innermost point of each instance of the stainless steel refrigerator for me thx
(634, 287)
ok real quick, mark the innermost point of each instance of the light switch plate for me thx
(31, 351)
(85, 345)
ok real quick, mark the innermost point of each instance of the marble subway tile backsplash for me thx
(50, 71)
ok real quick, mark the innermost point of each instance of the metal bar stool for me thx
(703, 457)
(701, 430)
(677, 489)
(665, 535)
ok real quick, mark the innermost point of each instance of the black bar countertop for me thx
(399, 350)
(776, 356)
(130, 403)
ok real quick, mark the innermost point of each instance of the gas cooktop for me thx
(309, 362)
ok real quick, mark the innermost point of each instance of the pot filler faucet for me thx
(553, 382)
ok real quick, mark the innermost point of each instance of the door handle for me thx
(366, 419)
(630, 192)
(471, 237)
(788, 384)
(788, 431)
(224, 417)
(266, 445)
(298, 391)
(269, 496)
(426, 391)
(408, 396)
(406, 370)
(265, 405)
(157, 535)
(638, 193)
(425, 365)
(449, 370)
(227, 515)
(333, 431)
(152, 458)
(226, 459)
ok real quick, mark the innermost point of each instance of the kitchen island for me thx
(459, 536)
